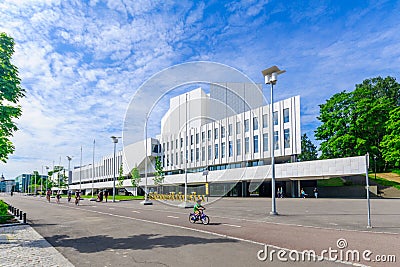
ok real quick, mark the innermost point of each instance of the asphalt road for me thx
(130, 234)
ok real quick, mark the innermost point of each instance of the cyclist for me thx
(77, 197)
(69, 196)
(58, 196)
(198, 208)
(48, 193)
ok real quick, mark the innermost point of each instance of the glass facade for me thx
(276, 140)
(255, 144)
(286, 138)
(255, 123)
(265, 120)
(246, 145)
(238, 147)
(275, 118)
(285, 115)
(265, 142)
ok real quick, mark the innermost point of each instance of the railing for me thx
(173, 196)
(17, 213)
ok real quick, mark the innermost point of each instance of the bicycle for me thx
(193, 218)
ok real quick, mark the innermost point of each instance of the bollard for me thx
(15, 212)
(20, 214)
(24, 218)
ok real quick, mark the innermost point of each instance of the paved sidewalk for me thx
(21, 245)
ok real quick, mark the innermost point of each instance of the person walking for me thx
(316, 192)
(281, 192)
(106, 194)
(303, 193)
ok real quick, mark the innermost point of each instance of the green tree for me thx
(159, 173)
(120, 175)
(135, 177)
(391, 141)
(308, 149)
(10, 93)
(59, 179)
(35, 182)
(353, 123)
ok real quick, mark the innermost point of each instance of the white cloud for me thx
(81, 62)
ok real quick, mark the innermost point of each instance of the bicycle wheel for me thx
(192, 218)
(205, 220)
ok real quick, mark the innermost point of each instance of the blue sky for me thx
(82, 61)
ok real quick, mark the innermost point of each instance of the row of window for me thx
(168, 160)
(195, 139)
(107, 168)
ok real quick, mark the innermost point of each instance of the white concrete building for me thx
(231, 139)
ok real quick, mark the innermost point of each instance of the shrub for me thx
(4, 216)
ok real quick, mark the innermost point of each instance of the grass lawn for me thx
(383, 181)
(396, 171)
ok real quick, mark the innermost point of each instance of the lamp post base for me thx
(273, 213)
(186, 205)
(146, 202)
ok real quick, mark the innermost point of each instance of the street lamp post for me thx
(205, 173)
(94, 146)
(375, 165)
(41, 183)
(47, 179)
(69, 169)
(186, 204)
(80, 174)
(270, 76)
(367, 186)
(146, 200)
(34, 191)
(115, 141)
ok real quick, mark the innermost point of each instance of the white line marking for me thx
(135, 211)
(111, 208)
(232, 225)
(210, 233)
(173, 217)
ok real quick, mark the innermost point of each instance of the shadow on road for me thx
(100, 243)
(214, 224)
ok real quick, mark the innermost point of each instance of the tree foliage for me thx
(354, 123)
(10, 93)
(308, 149)
(135, 177)
(120, 175)
(391, 141)
(159, 173)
